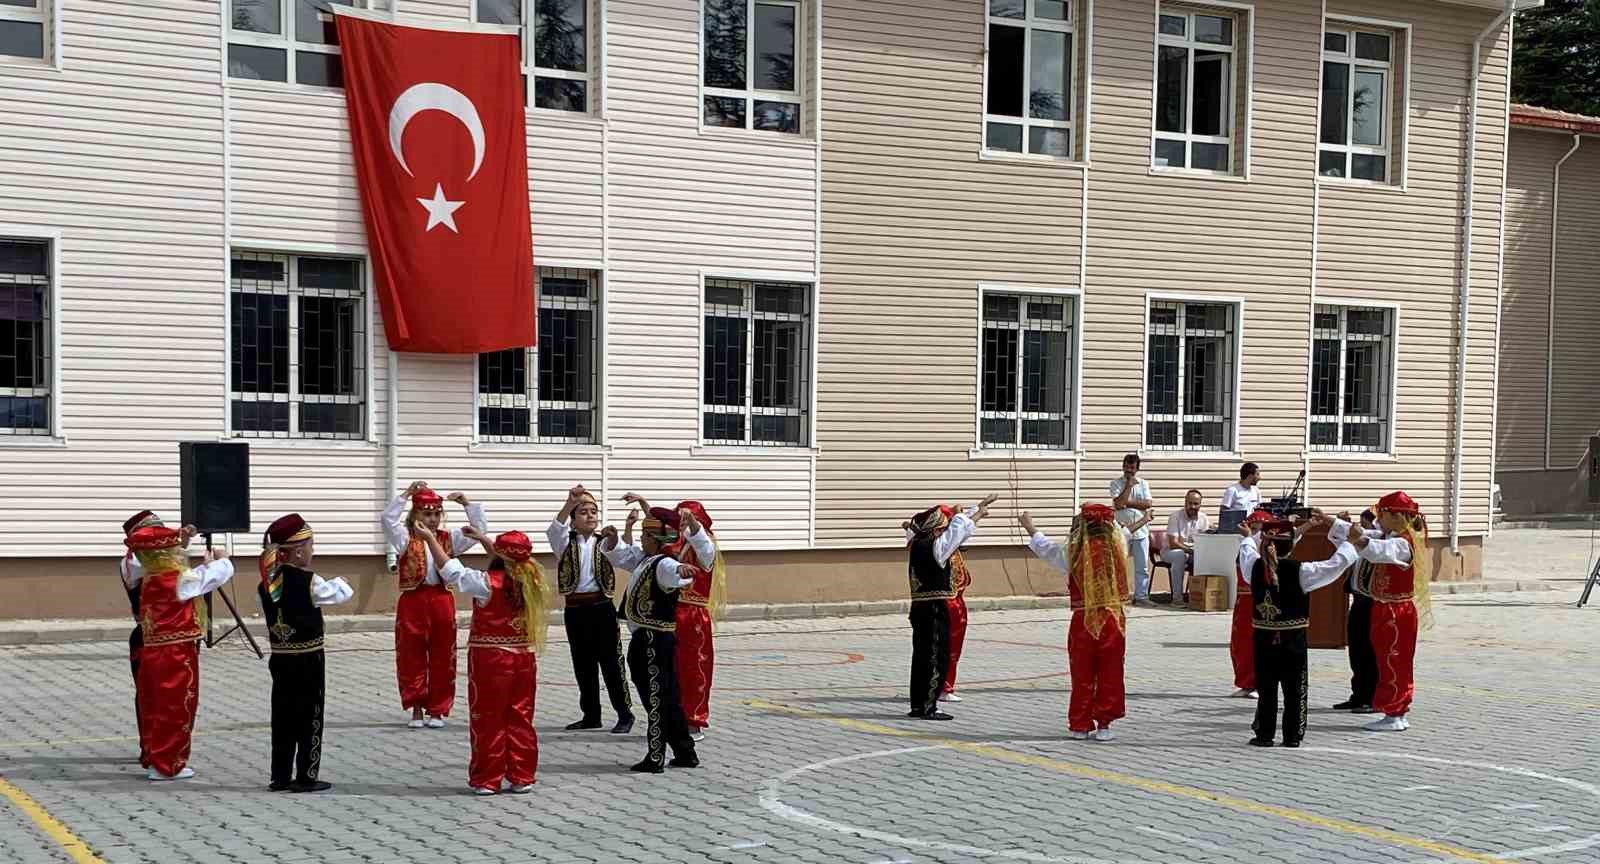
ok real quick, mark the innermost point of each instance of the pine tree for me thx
(1557, 59)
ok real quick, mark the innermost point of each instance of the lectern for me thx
(1329, 604)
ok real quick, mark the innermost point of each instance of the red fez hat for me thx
(698, 510)
(139, 520)
(513, 546)
(152, 537)
(289, 529)
(1098, 514)
(1260, 517)
(1397, 502)
(427, 499)
(668, 518)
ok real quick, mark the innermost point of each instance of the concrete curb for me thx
(33, 632)
(1555, 520)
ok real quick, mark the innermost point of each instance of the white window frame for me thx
(750, 94)
(593, 14)
(1389, 421)
(1234, 445)
(1243, 15)
(45, 13)
(294, 437)
(54, 434)
(808, 402)
(285, 42)
(1395, 96)
(529, 399)
(1074, 399)
(1029, 23)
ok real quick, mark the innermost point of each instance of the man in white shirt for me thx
(1243, 497)
(1183, 527)
(1130, 497)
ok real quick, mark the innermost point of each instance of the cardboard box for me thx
(1208, 593)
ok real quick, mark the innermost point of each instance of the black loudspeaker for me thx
(1594, 469)
(216, 486)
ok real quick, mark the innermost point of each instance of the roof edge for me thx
(1531, 117)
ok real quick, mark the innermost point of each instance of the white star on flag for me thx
(440, 210)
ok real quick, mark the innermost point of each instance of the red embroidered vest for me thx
(499, 623)
(412, 568)
(698, 594)
(1393, 583)
(163, 618)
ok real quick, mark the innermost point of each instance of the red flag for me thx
(441, 154)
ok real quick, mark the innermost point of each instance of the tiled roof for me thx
(1548, 118)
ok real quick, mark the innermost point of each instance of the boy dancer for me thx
(292, 598)
(1098, 582)
(587, 581)
(936, 567)
(171, 624)
(425, 616)
(508, 632)
(1400, 584)
(1358, 628)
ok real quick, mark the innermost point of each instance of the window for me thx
(1190, 375)
(1352, 358)
(1028, 95)
(547, 393)
(1028, 362)
(287, 40)
(25, 27)
(25, 337)
(1357, 82)
(558, 57)
(756, 367)
(749, 64)
(298, 354)
(1197, 71)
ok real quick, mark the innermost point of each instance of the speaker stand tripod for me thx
(238, 623)
(1588, 588)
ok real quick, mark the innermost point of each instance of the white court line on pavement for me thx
(1418, 788)
(1550, 829)
(1189, 841)
(1510, 807)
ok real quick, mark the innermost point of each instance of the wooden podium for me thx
(1329, 604)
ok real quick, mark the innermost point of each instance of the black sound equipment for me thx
(215, 479)
(1593, 461)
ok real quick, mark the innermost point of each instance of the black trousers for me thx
(651, 655)
(135, 643)
(930, 652)
(297, 694)
(1363, 660)
(1280, 662)
(596, 644)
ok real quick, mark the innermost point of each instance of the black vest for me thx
(294, 622)
(1360, 579)
(1284, 606)
(137, 636)
(646, 604)
(930, 580)
(569, 568)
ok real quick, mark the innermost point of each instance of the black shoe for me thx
(936, 714)
(1346, 705)
(917, 712)
(1291, 743)
(310, 786)
(583, 724)
(1260, 742)
(623, 727)
(1364, 709)
(687, 760)
(278, 787)
(647, 766)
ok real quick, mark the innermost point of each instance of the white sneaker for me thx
(697, 736)
(433, 723)
(1080, 736)
(522, 790)
(949, 697)
(482, 790)
(1105, 734)
(1252, 695)
(1242, 693)
(158, 777)
(1388, 724)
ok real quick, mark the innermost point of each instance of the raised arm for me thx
(959, 530)
(216, 571)
(671, 575)
(705, 550)
(431, 543)
(460, 541)
(1048, 551)
(559, 533)
(1321, 573)
(393, 521)
(623, 556)
(1385, 550)
(330, 592)
(1249, 554)
(131, 571)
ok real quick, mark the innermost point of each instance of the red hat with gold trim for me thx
(1260, 517)
(1098, 514)
(427, 499)
(1397, 502)
(152, 537)
(513, 546)
(667, 518)
(699, 511)
(289, 529)
(140, 520)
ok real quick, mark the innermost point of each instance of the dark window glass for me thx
(1325, 377)
(1335, 103)
(256, 63)
(999, 370)
(260, 362)
(777, 116)
(1161, 390)
(560, 35)
(725, 111)
(257, 16)
(1172, 89)
(1006, 51)
(566, 355)
(22, 39)
(560, 94)
(723, 427)
(774, 55)
(566, 423)
(340, 419)
(725, 33)
(1050, 64)
(260, 416)
(1364, 167)
(1372, 46)
(1004, 136)
(503, 422)
(1331, 163)
(318, 69)
(724, 376)
(500, 11)
(315, 28)
(329, 345)
(503, 371)
(998, 430)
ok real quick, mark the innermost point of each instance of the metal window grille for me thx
(548, 393)
(756, 366)
(298, 357)
(1190, 376)
(25, 337)
(1029, 366)
(1352, 359)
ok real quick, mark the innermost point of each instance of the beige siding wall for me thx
(1524, 328)
(1575, 399)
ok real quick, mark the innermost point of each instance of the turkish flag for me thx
(437, 127)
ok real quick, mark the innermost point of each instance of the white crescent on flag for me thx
(432, 96)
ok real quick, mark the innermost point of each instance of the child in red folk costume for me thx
(131, 573)
(1098, 582)
(1400, 602)
(1241, 642)
(171, 624)
(508, 632)
(958, 632)
(425, 616)
(699, 604)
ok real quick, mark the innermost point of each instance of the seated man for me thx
(1182, 528)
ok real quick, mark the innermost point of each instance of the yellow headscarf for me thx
(1098, 558)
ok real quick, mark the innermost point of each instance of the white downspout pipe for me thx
(391, 440)
(1550, 319)
(1466, 273)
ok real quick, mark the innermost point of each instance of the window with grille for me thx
(756, 366)
(750, 64)
(1028, 368)
(1352, 363)
(1028, 78)
(25, 337)
(1190, 376)
(299, 347)
(25, 27)
(548, 393)
(556, 55)
(1358, 83)
(293, 41)
(1197, 86)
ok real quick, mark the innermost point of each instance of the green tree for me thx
(1557, 60)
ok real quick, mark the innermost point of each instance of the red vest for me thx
(1394, 583)
(1075, 589)
(412, 567)
(163, 618)
(499, 623)
(698, 594)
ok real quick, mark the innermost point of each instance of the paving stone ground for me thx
(810, 758)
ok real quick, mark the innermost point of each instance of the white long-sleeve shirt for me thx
(560, 535)
(201, 580)
(394, 527)
(668, 573)
(959, 531)
(473, 583)
(329, 592)
(1313, 575)
(1055, 554)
